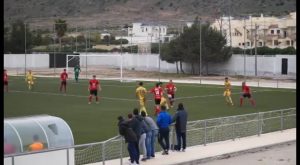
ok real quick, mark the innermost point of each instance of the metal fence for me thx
(200, 132)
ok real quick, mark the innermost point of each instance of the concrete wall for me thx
(59, 157)
(32, 61)
(269, 66)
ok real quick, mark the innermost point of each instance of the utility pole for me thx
(25, 47)
(251, 36)
(255, 44)
(244, 48)
(159, 53)
(200, 52)
(229, 13)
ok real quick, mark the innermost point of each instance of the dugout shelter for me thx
(19, 133)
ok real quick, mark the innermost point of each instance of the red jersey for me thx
(246, 89)
(157, 91)
(94, 84)
(170, 88)
(5, 77)
(64, 76)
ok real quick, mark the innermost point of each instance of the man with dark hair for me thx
(36, 145)
(144, 129)
(140, 93)
(158, 92)
(164, 120)
(151, 135)
(246, 93)
(63, 83)
(94, 86)
(5, 79)
(181, 120)
(130, 138)
(77, 70)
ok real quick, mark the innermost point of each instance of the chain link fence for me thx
(199, 132)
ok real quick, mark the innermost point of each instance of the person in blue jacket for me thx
(164, 120)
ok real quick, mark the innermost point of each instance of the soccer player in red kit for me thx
(171, 89)
(93, 88)
(5, 79)
(158, 92)
(63, 78)
(246, 93)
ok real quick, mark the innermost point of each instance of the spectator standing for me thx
(180, 119)
(150, 136)
(130, 138)
(164, 120)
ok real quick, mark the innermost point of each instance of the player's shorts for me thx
(247, 95)
(227, 93)
(30, 82)
(76, 74)
(157, 101)
(94, 92)
(142, 102)
(171, 96)
(63, 82)
(5, 82)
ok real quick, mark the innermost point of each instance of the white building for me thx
(261, 31)
(146, 33)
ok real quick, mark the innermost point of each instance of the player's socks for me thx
(241, 101)
(97, 98)
(90, 98)
(230, 100)
(252, 102)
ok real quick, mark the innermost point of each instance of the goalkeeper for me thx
(77, 70)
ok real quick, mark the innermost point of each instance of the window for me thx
(284, 34)
(292, 43)
(243, 43)
(260, 43)
(276, 42)
(239, 44)
(248, 43)
(278, 31)
(272, 31)
(142, 29)
(146, 29)
(288, 43)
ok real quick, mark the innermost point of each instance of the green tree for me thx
(60, 28)
(186, 48)
(17, 38)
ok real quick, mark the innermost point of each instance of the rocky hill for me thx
(118, 12)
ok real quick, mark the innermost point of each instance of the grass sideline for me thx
(97, 122)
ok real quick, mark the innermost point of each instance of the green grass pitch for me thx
(98, 122)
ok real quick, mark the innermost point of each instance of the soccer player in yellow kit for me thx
(140, 93)
(227, 92)
(30, 79)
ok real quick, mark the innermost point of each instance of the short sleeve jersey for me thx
(141, 92)
(63, 76)
(227, 85)
(5, 77)
(246, 89)
(94, 84)
(29, 76)
(157, 91)
(170, 88)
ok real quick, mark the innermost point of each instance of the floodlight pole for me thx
(159, 53)
(200, 54)
(25, 48)
(244, 48)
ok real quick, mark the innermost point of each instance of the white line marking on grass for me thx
(71, 95)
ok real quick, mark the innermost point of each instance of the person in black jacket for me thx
(181, 120)
(130, 138)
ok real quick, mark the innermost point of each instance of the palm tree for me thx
(60, 28)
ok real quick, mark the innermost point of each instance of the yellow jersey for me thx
(227, 86)
(163, 101)
(29, 77)
(140, 92)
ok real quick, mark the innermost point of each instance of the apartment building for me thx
(248, 32)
